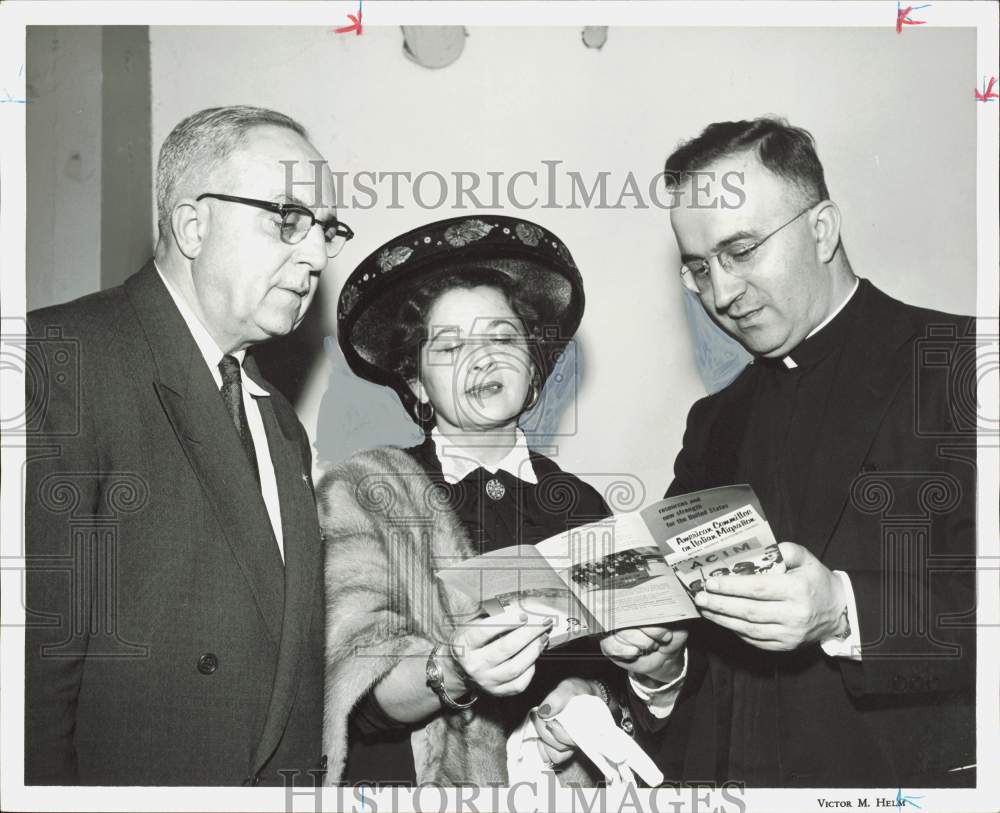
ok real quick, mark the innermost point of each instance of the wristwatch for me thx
(435, 679)
(620, 712)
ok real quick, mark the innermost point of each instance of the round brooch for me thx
(495, 489)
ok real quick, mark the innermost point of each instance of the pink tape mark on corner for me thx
(903, 16)
(355, 26)
(988, 94)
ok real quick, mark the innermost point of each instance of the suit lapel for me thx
(192, 404)
(300, 532)
(868, 375)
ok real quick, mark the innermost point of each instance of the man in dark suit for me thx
(174, 586)
(855, 425)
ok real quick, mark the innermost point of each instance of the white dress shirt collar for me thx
(206, 344)
(457, 462)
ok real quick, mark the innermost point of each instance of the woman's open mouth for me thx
(485, 390)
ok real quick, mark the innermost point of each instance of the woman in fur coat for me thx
(464, 318)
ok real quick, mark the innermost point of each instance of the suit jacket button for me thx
(899, 683)
(208, 663)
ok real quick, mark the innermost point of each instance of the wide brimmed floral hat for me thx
(533, 257)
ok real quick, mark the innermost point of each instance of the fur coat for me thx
(386, 527)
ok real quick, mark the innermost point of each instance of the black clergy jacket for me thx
(877, 481)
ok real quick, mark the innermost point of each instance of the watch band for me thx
(602, 687)
(620, 712)
(435, 679)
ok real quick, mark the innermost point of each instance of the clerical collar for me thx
(206, 344)
(457, 463)
(823, 338)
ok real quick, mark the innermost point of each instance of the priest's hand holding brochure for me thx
(636, 572)
(630, 570)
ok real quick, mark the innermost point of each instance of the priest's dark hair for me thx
(787, 151)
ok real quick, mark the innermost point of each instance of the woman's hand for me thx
(498, 654)
(557, 746)
(653, 655)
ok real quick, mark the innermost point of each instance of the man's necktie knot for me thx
(232, 395)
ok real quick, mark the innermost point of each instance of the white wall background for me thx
(892, 115)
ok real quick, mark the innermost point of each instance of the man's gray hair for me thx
(200, 143)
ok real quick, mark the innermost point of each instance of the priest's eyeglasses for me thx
(736, 259)
(296, 222)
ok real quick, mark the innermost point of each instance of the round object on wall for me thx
(594, 36)
(433, 46)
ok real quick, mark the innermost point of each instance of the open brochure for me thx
(628, 570)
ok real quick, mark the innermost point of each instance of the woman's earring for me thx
(535, 392)
(418, 409)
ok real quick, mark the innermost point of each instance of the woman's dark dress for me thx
(379, 749)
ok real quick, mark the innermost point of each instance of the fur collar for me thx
(385, 526)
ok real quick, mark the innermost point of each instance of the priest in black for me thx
(855, 425)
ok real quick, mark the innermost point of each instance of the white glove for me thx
(588, 721)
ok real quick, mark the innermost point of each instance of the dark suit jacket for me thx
(892, 504)
(167, 644)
